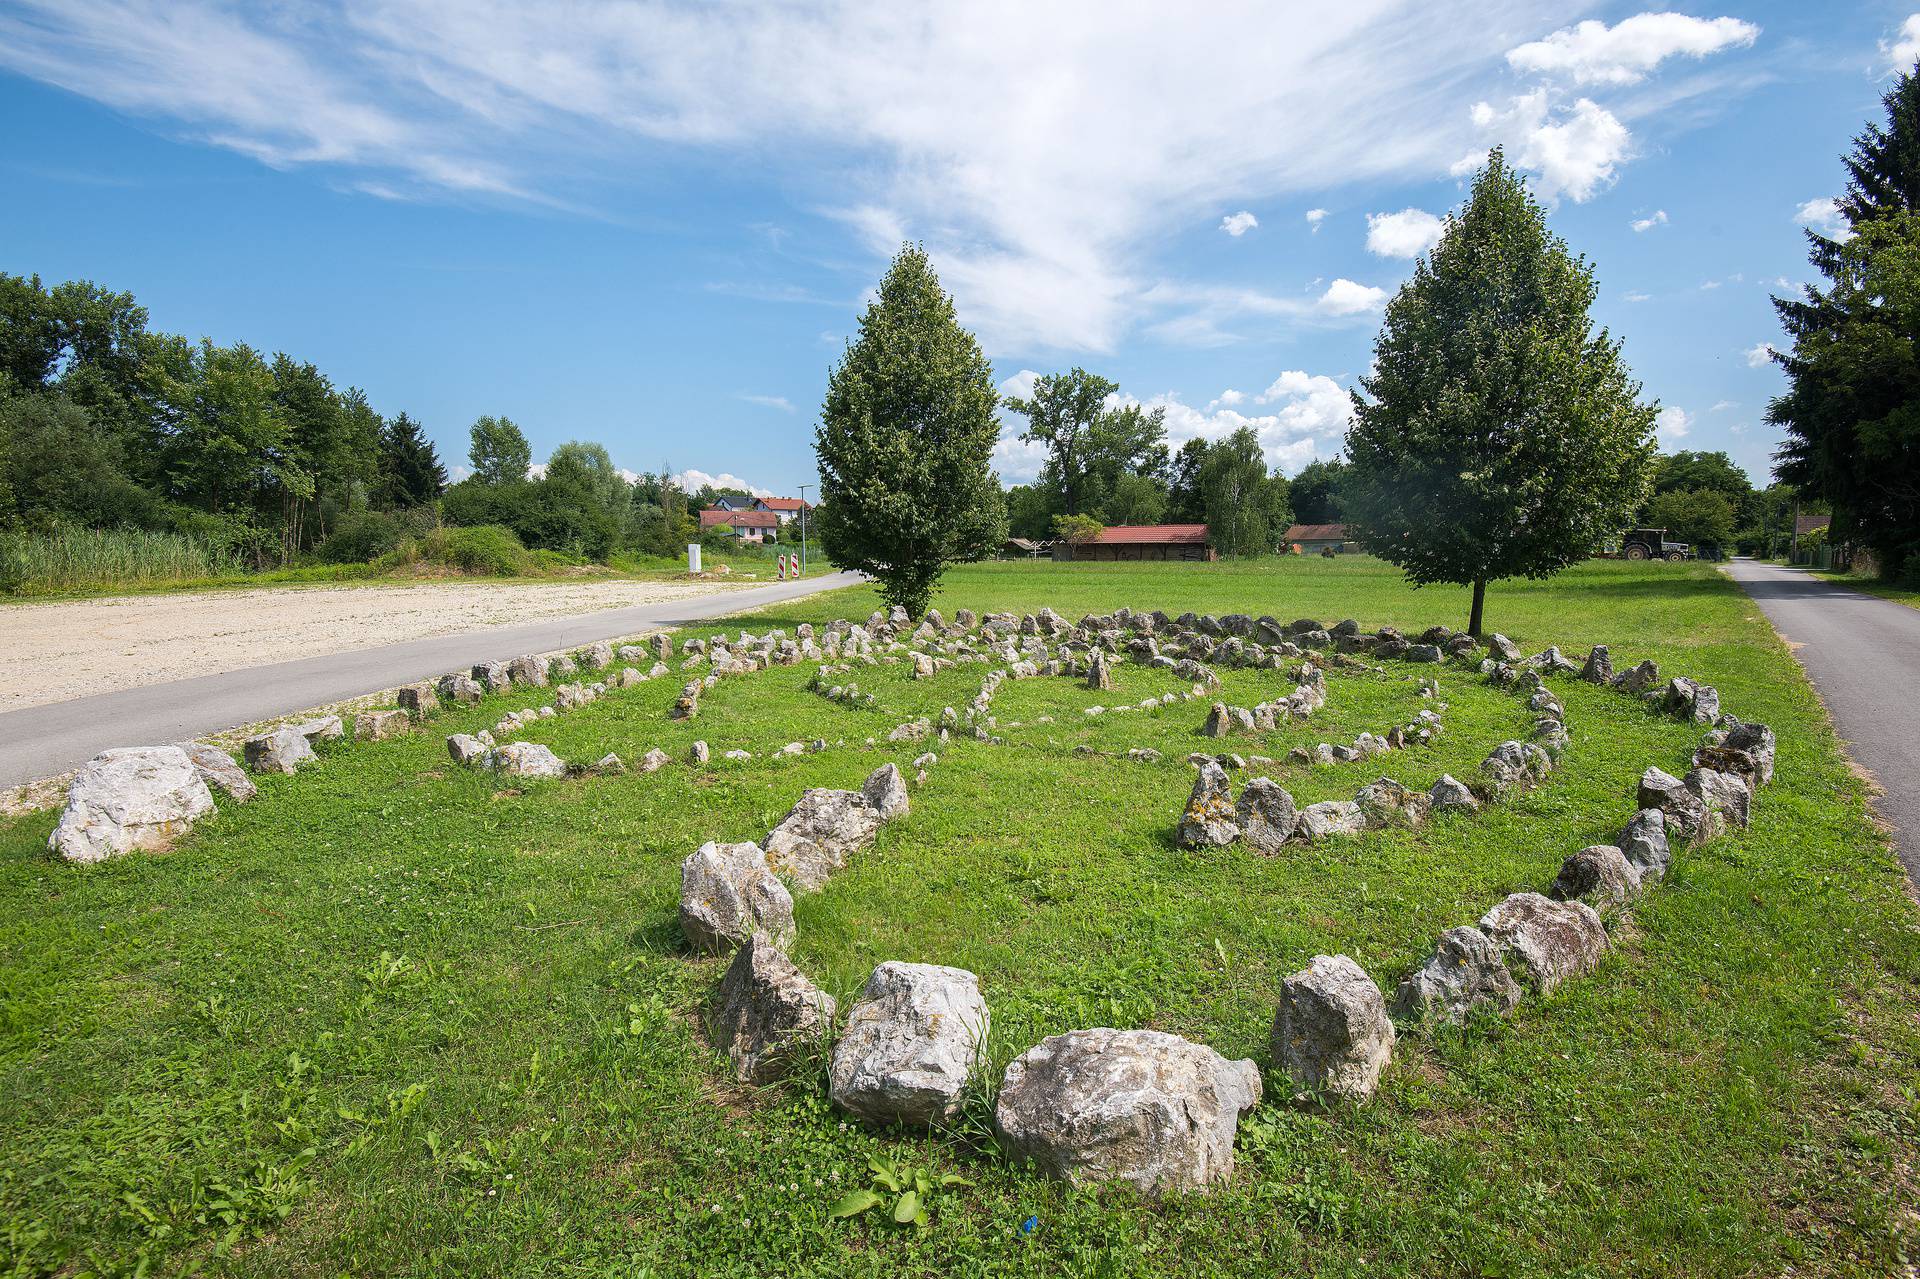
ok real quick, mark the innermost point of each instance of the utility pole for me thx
(803, 528)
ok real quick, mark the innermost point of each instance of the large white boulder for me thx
(1139, 1106)
(728, 893)
(1548, 941)
(1332, 1032)
(133, 797)
(910, 1044)
(768, 1013)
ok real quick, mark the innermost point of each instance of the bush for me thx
(488, 549)
(364, 535)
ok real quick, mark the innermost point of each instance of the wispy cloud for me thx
(780, 402)
(1238, 224)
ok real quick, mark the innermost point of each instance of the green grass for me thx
(390, 1019)
(1872, 586)
(83, 559)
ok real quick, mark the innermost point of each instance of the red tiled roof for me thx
(1183, 534)
(738, 519)
(784, 504)
(1316, 533)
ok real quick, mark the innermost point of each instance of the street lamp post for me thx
(803, 528)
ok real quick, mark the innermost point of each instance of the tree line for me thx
(108, 424)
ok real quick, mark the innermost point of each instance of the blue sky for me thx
(653, 225)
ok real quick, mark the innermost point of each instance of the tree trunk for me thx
(1479, 605)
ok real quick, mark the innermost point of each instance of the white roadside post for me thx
(693, 557)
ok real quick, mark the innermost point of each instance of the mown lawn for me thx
(392, 1019)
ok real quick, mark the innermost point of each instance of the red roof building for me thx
(1314, 537)
(748, 526)
(1141, 542)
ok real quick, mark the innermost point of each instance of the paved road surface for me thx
(1863, 655)
(45, 741)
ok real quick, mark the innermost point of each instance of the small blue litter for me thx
(1030, 1225)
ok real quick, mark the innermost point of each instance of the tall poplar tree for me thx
(1499, 435)
(906, 441)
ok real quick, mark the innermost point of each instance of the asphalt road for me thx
(1863, 655)
(45, 741)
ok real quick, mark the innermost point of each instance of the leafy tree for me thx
(1688, 471)
(1704, 517)
(63, 467)
(1316, 492)
(499, 453)
(1851, 414)
(1077, 529)
(410, 470)
(1185, 505)
(1135, 499)
(1499, 435)
(906, 440)
(1061, 414)
(1239, 495)
(1029, 511)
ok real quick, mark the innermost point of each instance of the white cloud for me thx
(692, 480)
(1904, 49)
(1473, 161)
(1594, 53)
(1657, 218)
(1344, 297)
(1238, 224)
(780, 402)
(1012, 139)
(1576, 151)
(1314, 218)
(1228, 397)
(1721, 406)
(1672, 426)
(1759, 355)
(1823, 215)
(1406, 234)
(1634, 295)
(1308, 418)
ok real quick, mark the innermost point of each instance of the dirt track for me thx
(54, 652)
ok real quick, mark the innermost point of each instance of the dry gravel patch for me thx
(53, 652)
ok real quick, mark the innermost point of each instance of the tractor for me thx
(1651, 544)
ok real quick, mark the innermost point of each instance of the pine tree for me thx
(410, 470)
(1849, 414)
(1499, 436)
(906, 440)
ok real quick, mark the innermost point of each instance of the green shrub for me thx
(488, 549)
(363, 535)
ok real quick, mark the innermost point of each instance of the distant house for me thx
(787, 508)
(735, 502)
(1805, 524)
(1315, 538)
(1141, 542)
(748, 526)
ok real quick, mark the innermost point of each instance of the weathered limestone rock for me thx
(654, 760)
(280, 751)
(1644, 844)
(1549, 941)
(1139, 1106)
(1640, 678)
(1208, 820)
(1756, 740)
(1388, 803)
(528, 669)
(1265, 815)
(886, 791)
(819, 834)
(1686, 812)
(1218, 722)
(1725, 795)
(466, 749)
(910, 1044)
(1599, 875)
(1099, 673)
(728, 892)
(1514, 766)
(321, 728)
(608, 765)
(687, 705)
(417, 700)
(1423, 653)
(1450, 795)
(699, 753)
(374, 726)
(460, 688)
(597, 656)
(1330, 817)
(767, 1012)
(1502, 648)
(1599, 667)
(132, 797)
(922, 665)
(1464, 975)
(1332, 1032)
(493, 676)
(917, 730)
(216, 768)
(526, 759)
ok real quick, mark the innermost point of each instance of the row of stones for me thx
(144, 797)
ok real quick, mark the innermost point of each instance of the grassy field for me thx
(1874, 586)
(393, 1019)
